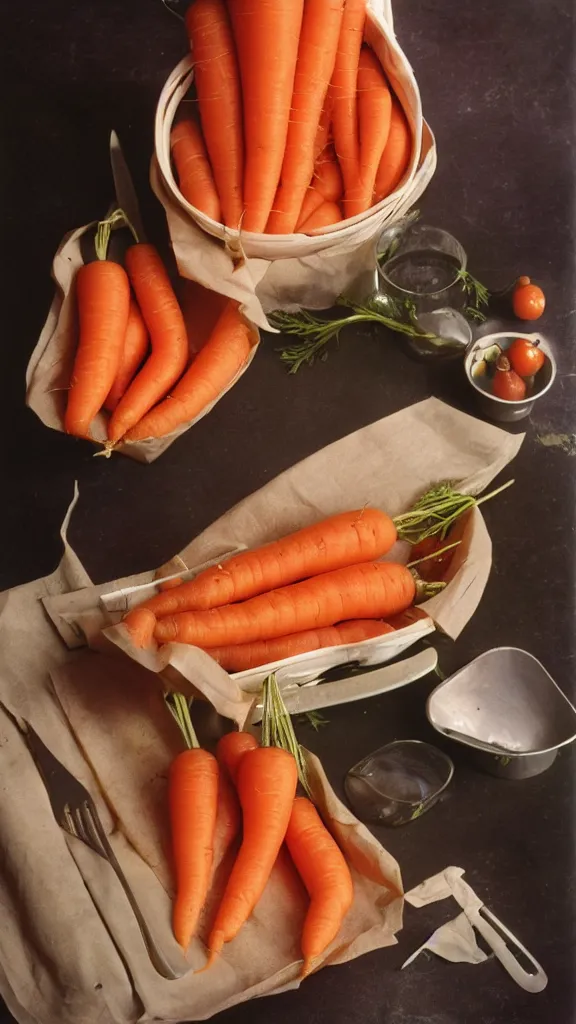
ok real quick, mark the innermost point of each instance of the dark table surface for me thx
(498, 89)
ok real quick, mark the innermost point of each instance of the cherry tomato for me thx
(525, 357)
(528, 300)
(433, 569)
(507, 384)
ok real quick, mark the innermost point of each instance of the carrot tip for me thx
(213, 953)
(109, 447)
(140, 623)
(307, 967)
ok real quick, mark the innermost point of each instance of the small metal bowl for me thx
(398, 783)
(507, 708)
(499, 408)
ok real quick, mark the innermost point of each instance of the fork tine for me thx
(81, 827)
(68, 822)
(89, 818)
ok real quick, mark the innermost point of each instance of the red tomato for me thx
(507, 384)
(525, 357)
(528, 300)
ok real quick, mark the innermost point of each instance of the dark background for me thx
(498, 90)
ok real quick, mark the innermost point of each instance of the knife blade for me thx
(368, 684)
(124, 186)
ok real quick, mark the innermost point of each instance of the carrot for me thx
(313, 200)
(201, 308)
(167, 329)
(228, 818)
(325, 215)
(396, 156)
(343, 90)
(328, 176)
(219, 99)
(241, 657)
(213, 369)
(370, 590)
(340, 540)
(103, 292)
(266, 783)
(193, 801)
(316, 59)
(323, 131)
(326, 875)
(326, 184)
(135, 348)
(195, 178)
(267, 36)
(231, 749)
(374, 115)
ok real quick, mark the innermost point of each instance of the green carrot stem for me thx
(277, 728)
(433, 554)
(436, 510)
(180, 710)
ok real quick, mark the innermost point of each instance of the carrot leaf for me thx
(179, 708)
(277, 728)
(317, 333)
(436, 510)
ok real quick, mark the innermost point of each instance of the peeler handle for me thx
(529, 982)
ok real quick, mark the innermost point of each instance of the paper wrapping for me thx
(50, 366)
(268, 272)
(387, 464)
(70, 948)
(66, 923)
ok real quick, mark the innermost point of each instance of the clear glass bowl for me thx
(398, 783)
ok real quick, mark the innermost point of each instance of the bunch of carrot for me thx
(250, 788)
(298, 125)
(134, 356)
(317, 587)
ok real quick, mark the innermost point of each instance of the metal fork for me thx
(76, 813)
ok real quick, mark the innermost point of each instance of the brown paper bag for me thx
(50, 366)
(388, 465)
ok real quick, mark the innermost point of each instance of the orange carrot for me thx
(326, 875)
(213, 369)
(370, 590)
(396, 156)
(312, 201)
(267, 36)
(343, 90)
(193, 800)
(135, 348)
(103, 293)
(316, 58)
(195, 178)
(374, 114)
(333, 543)
(241, 657)
(201, 308)
(328, 176)
(231, 749)
(266, 782)
(323, 131)
(228, 818)
(168, 336)
(324, 216)
(219, 98)
(326, 184)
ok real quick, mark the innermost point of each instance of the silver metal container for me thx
(499, 408)
(508, 710)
